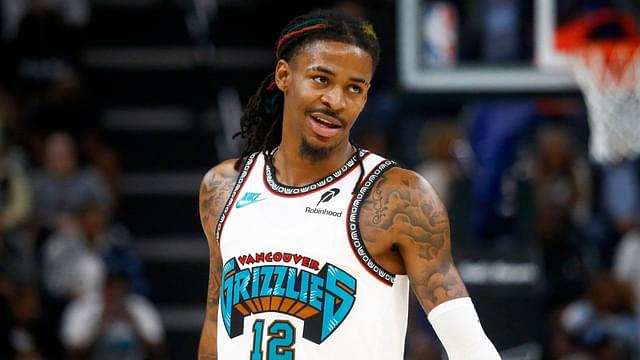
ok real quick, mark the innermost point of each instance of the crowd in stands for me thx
(71, 286)
(70, 283)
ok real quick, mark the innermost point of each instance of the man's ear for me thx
(283, 75)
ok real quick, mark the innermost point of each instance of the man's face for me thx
(60, 156)
(325, 88)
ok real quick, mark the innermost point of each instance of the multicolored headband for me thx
(297, 33)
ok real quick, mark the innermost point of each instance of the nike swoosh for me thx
(242, 203)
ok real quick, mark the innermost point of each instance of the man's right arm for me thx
(215, 189)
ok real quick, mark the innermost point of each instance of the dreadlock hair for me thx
(261, 122)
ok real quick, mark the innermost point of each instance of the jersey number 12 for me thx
(282, 336)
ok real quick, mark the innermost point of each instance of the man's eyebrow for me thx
(327, 71)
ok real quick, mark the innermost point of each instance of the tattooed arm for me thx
(405, 225)
(215, 189)
(406, 228)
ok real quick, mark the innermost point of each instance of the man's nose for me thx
(334, 99)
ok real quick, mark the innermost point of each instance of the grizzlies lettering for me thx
(321, 300)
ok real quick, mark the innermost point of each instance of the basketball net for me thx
(608, 74)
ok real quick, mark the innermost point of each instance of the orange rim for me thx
(609, 62)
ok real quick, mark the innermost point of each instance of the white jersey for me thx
(297, 281)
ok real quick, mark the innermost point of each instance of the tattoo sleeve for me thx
(214, 192)
(405, 213)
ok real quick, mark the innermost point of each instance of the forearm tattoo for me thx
(404, 211)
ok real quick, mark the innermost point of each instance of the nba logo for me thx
(439, 35)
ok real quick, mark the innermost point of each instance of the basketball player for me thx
(313, 241)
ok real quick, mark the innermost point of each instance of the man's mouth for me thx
(324, 126)
(326, 120)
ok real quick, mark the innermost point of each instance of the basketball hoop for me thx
(608, 74)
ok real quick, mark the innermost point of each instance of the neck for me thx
(294, 170)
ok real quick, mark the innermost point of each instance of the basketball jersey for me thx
(297, 280)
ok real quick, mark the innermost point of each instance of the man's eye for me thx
(320, 79)
(355, 89)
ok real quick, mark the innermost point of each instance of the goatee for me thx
(308, 151)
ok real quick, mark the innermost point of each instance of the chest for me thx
(260, 220)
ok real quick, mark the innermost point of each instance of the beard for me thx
(313, 153)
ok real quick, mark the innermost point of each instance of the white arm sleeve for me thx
(457, 325)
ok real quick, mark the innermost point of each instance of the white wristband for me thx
(457, 325)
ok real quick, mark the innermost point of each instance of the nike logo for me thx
(248, 199)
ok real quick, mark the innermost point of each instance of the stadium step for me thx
(164, 24)
(183, 325)
(178, 283)
(177, 58)
(165, 151)
(195, 88)
(160, 215)
(162, 183)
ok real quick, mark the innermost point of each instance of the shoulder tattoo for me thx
(214, 192)
(405, 212)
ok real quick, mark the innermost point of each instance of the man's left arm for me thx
(421, 233)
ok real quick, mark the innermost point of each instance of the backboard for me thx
(488, 45)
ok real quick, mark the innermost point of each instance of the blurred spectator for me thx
(112, 324)
(73, 12)
(620, 195)
(45, 46)
(113, 243)
(15, 191)
(29, 334)
(602, 325)
(17, 251)
(495, 131)
(562, 179)
(69, 269)
(70, 266)
(62, 187)
(562, 196)
(626, 262)
(75, 258)
(439, 166)
(64, 106)
(105, 160)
